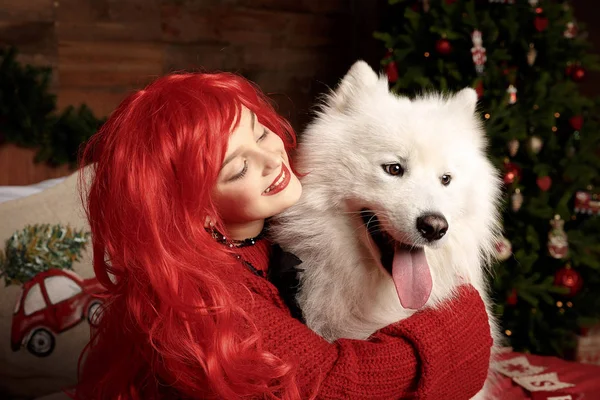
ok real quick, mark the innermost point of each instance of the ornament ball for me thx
(578, 74)
(567, 277)
(443, 46)
(576, 122)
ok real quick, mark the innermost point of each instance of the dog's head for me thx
(412, 172)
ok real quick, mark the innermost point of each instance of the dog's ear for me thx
(361, 77)
(465, 100)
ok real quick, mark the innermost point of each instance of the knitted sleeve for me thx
(435, 354)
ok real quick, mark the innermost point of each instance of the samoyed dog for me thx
(399, 206)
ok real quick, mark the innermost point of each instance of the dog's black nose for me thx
(432, 226)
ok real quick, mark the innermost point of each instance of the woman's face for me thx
(255, 181)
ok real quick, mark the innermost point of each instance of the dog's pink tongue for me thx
(411, 276)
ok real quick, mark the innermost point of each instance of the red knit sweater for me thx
(437, 354)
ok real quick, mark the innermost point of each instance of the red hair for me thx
(169, 327)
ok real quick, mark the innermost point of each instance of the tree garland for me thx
(29, 118)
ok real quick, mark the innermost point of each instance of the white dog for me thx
(399, 206)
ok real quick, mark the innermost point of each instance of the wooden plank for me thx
(109, 64)
(190, 23)
(314, 30)
(79, 10)
(108, 31)
(187, 24)
(290, 62)
(109, 20)
(220, 24)
(27, 10)
(18, 168)
(299, 6)
(197, 57)
(102, 101)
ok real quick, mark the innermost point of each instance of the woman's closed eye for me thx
(240, 174)
(264, 135)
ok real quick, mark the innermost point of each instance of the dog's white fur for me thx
(345, 293)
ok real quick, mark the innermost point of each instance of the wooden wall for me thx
(100, 50)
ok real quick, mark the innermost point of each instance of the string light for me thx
(569, 304)
(487, 116)
(508, 332)
(561, 311)
(559, 304)
(554, 129)
(556, 115)
(426, 54)
(535, 107)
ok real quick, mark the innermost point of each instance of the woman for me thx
(186, 172)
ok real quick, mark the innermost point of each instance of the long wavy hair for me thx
(169, 327)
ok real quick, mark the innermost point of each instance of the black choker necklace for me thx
(232, 243)
(219, 237)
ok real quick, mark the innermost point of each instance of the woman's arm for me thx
(435, 354)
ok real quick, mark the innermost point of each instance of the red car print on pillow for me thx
(52, 302)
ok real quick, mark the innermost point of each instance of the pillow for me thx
(47, 291)
(14, 192)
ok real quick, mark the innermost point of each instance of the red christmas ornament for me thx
(512, 299)
(391, 69)
(392, 72)
(576, 122)
(513, 173)
(569, 69)
(544, 183)
(443, 46)
(578, 74)
(541, 23)
(479, 89)
(567, 277)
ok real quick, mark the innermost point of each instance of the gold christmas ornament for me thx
(512, 94)
(513, 147)
(558, 245)
(516, 200)
(531, 55)
(535, 144)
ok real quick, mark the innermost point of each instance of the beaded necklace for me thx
(232, 243)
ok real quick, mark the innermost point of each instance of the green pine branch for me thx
(29, 117)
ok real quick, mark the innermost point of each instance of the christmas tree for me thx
(38, 248)
(526, 60)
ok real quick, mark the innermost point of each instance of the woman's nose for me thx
(272, 161)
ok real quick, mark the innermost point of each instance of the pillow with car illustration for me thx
(49, 295)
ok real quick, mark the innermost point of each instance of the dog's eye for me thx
(394, 169)
(446, 178)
